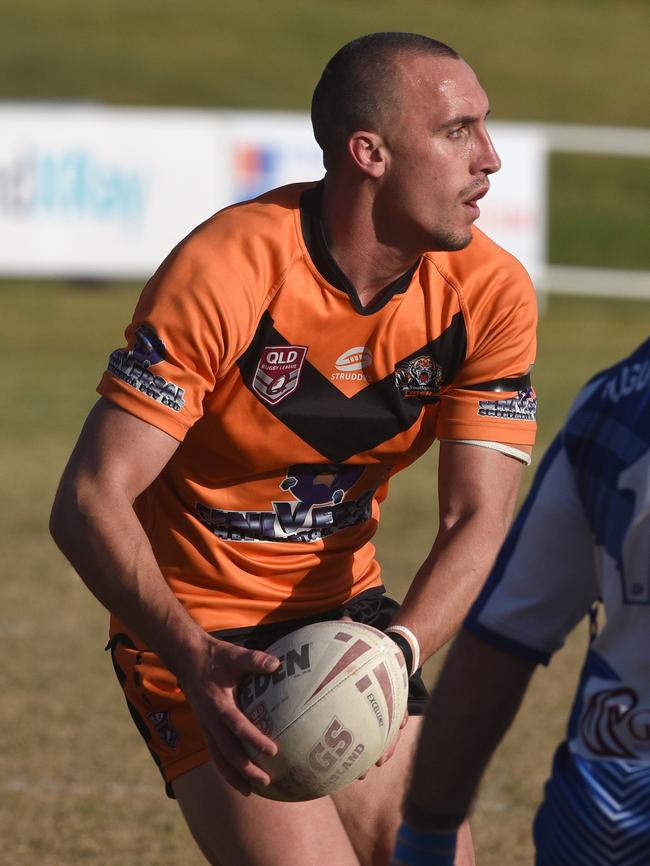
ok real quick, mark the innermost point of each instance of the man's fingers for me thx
(236, 764)
(242, 762)
(227, 770)
(226, 727)
(388, 754)
(256, 662)
(243, 729)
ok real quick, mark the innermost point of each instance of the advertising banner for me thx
(271, 149)
(514, 212)
(94, 192)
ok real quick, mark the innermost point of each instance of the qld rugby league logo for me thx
(420, 378)
(278, 372)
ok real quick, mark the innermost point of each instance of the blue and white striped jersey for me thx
(582, 537)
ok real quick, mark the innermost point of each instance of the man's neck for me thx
(369, 264)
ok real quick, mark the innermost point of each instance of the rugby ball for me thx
(333, 707)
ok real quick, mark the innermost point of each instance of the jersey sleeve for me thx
(544, 579)
(492, 397)
(185, 331)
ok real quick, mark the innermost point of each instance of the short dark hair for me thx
(356, 89)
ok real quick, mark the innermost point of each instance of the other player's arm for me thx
(477, 491)
(475, 699)
(93, 522)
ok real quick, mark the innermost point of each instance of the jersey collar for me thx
(316, 243)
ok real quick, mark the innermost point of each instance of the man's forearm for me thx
(100, 534)
(450, 579)
(474, 702)
(477, 494)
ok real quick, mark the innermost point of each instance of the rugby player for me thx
(226, 486)
(581, 540)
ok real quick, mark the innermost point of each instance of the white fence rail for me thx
(598, 141)
(602, 140)
(598, 282)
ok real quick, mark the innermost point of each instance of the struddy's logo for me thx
(354, 359)
(352, 365)
(419, 378)
(523, 407)
(278, 372)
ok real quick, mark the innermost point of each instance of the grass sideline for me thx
(76, 784)
(538, 60)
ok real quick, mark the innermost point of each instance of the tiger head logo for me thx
(419, 378)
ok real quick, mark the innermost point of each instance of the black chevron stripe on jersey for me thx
(338, 426)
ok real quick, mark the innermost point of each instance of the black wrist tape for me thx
(405, 647)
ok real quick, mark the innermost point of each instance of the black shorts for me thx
(162, 713)
(372, 607)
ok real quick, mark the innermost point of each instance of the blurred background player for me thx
(257, 480)
(581, 539)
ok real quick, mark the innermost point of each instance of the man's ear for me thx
(367, 152)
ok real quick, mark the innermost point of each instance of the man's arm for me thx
(477, 492)
(93, 522)
(476, 697)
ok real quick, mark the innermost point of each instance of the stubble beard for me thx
(449, 241)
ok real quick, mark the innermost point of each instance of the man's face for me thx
(438, 156)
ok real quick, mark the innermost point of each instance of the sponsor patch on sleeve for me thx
(133, 366)
(523, 407)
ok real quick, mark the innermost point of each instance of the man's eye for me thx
(457, 132)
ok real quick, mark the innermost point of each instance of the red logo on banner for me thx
(278, 372)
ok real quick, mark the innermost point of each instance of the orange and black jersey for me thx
(294, 405)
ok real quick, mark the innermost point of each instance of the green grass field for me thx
(579, 61)
(76, 785)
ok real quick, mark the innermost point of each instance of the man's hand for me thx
(390, 751)
(210, 685)
(94, 524)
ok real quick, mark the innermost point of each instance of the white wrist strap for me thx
(413, 642)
